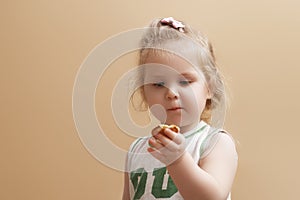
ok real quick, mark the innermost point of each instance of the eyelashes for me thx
(163, 84)
(185, 82)
(159, 84)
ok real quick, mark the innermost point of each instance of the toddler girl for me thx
(181, 86)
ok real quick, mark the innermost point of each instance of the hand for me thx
(166, 145)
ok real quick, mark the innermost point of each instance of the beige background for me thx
(43, 44)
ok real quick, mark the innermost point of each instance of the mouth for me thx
(174, 109)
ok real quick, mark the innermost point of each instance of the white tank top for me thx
(149, 178)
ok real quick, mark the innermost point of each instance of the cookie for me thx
(172, 127)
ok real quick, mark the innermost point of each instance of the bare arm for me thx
(126, 187)
(212, 178)
(126, 195)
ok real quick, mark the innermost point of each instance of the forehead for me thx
(184, 51)
(163, 63)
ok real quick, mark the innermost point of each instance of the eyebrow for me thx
(156, 76)
(189, 74)
(184, 74)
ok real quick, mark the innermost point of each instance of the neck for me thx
(186, 128)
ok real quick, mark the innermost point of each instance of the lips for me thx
(174, 108)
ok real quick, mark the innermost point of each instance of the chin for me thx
(174, 122)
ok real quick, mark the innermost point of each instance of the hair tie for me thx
(170, 21)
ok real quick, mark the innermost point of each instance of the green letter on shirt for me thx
(157, 187)
(138, 179)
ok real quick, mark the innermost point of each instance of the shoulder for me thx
(225, 141)
(138, 143)
(223, 154)
(217, 138)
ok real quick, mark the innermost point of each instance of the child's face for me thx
(177, 87)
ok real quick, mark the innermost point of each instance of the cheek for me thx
(154, 100)
(196, 98)
(151, 97)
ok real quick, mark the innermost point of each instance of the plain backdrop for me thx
(43, 43)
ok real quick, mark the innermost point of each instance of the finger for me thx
(167, 144)
(163, 139)
(170, 134)
(171, 145)
(154, 143)
(178, 138)
(156, 130)
(155, 153)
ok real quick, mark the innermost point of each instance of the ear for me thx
(142, 93)
(143, 97)
(209, 94)
(209, 91)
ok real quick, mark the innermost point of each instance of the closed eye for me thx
(159, 84)
(185, 82)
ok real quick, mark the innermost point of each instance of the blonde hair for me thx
(159, 34)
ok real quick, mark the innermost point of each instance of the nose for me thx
(172, 93)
